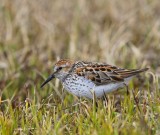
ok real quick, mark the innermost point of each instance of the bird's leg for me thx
(104, 96)
(95, 104)
(105, 99)
(126, 88)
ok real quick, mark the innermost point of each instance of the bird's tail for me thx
(132, 72)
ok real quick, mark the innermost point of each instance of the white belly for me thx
(82, 87)
(100, 90)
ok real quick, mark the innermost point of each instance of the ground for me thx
(34, 34)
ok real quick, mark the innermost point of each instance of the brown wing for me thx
(104, 74)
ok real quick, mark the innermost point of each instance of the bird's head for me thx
(61, 69)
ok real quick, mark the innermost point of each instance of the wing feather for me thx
(102, 74)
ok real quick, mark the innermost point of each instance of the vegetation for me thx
(34, 34)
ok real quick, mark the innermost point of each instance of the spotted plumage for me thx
(83, 78)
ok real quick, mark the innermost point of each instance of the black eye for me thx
(59, 68)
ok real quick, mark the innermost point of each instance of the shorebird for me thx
(84, 79)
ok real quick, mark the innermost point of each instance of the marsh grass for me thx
(34, 34)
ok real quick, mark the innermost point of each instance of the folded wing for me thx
(102, 74)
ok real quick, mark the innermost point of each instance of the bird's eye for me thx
(59, 68)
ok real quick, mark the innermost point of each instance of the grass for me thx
(33, 35)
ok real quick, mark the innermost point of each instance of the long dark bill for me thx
(49, 79)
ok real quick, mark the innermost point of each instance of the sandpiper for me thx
(85, 78)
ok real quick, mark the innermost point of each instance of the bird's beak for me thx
(49, 79)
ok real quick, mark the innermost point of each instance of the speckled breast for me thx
(78, 85)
